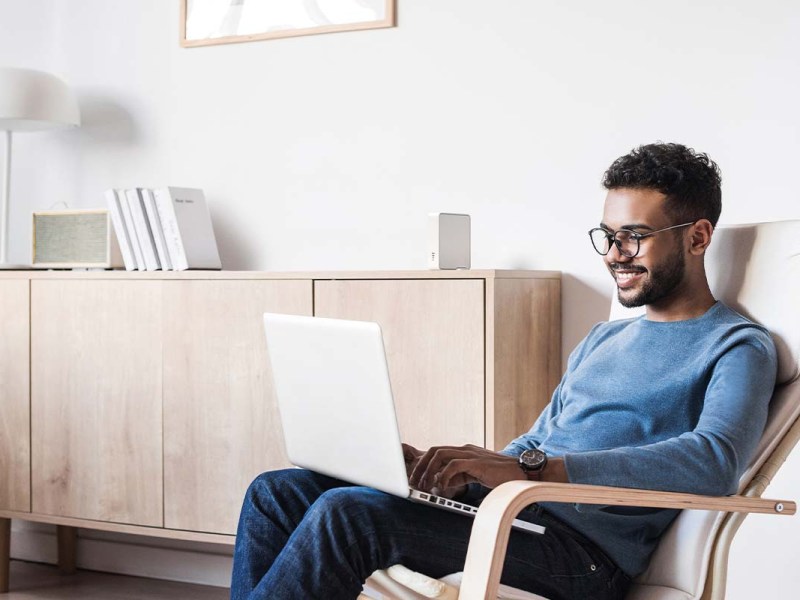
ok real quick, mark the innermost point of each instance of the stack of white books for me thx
(163, 228)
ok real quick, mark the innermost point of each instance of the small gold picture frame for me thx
(207, 22)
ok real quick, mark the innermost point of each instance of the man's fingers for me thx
(430, 464)
(419, 471)
(488, 471)
(458, 473)
(450, 467)
(434, 460)
(410, 452)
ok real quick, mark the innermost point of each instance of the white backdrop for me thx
(327, 152)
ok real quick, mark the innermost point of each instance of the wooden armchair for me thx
(755, 269)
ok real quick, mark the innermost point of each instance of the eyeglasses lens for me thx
(626, 242)
(600, 240)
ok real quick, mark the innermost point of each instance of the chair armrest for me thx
(489, 537)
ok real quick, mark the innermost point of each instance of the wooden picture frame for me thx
(208, 22)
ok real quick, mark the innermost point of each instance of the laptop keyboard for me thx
(467, 509)
(447, 502)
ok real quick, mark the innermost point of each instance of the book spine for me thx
(433, 241)
(169, 223)
(142, 229)
(127, 217)
(156, 229)
(119, 227)
(195, 228)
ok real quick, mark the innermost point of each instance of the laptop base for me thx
(465, 509)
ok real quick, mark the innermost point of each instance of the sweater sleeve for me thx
(533, 438)
(711, 458)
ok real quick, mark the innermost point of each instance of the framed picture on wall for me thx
(205, 22)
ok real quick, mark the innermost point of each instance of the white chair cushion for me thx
(650, 592)
(505, 592)
(383, 585)
(768, 289)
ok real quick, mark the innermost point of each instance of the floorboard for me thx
(33, 581)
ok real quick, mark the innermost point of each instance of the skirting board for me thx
(173, 560)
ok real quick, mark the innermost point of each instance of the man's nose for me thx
(615, 255)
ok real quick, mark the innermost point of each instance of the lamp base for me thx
(13, 267)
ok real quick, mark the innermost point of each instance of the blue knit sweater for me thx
(677, 406)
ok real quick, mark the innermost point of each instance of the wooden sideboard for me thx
(142, 402)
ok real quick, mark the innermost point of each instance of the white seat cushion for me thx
(504, 593)
(392, 584)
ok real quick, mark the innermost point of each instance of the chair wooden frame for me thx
(489, 538)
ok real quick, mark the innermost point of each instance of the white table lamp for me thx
(29, 101)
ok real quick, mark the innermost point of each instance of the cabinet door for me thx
(433, 333)
(96, 400)
(15, 454)
(221, 425)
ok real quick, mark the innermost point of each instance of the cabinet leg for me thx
(5, 553)
(67, 546)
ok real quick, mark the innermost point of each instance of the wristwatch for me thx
(532, 462)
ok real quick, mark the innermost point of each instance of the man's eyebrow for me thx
(632, 226)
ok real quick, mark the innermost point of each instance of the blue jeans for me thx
(307, 536)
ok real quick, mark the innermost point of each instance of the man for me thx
(675, 400)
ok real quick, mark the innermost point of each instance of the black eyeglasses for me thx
(627, 241)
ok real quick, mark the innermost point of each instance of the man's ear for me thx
(701, 233)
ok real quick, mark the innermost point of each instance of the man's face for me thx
(658, 269)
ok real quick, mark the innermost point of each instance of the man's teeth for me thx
(627, 274)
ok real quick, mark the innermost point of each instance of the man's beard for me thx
(660, 283)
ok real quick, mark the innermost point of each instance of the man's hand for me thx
(411, 455)
(445, 470)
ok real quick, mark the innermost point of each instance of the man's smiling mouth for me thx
(622, 275)
(626, 275)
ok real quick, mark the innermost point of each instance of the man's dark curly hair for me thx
(690, 180)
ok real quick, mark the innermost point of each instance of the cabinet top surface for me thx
(179, 275)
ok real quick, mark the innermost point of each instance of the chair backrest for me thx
(754, 269)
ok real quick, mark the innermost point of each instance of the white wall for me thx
(326, 152)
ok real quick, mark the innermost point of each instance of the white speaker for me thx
(73, 239)
(448, 241)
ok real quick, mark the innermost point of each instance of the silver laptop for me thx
(336, 406)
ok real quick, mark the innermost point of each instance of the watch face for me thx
(532, 460)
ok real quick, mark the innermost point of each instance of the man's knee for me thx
(271, 486)
(359, 510)
(292, 489)
(268, 481)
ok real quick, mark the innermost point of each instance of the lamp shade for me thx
(34, 100)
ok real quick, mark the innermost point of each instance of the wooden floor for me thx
(31, 581)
